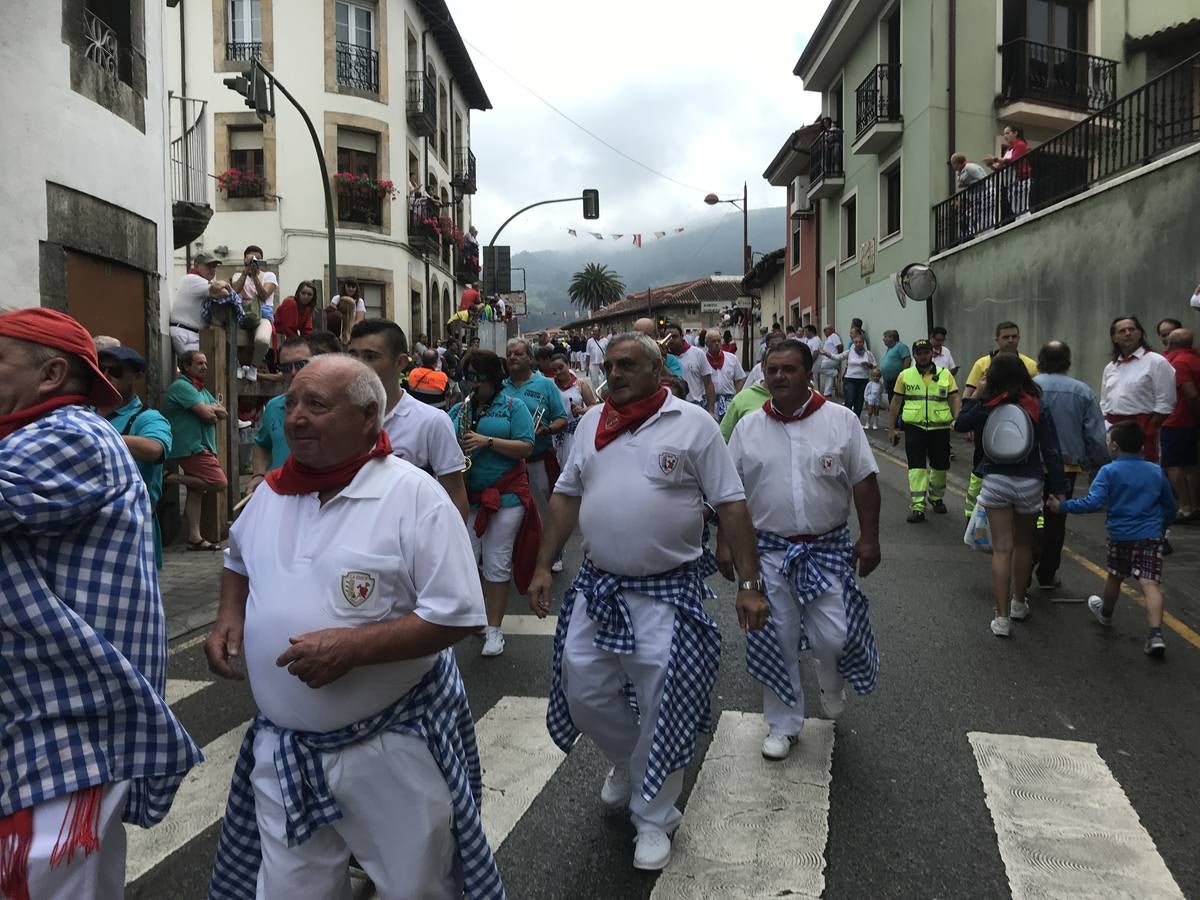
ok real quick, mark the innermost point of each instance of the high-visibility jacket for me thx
(927, 398)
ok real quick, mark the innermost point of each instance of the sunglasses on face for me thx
(296, 366)
(473, 376)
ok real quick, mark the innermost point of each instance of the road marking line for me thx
(1064, 826)
(188, 644)
(530, 625)
(180, 689)
(518, 760)
(754, 828)
(1179, 627)
(199, 803)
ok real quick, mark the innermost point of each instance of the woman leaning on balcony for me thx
(1018, 186)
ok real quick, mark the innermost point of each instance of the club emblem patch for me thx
(826, 463)
(667, 462)
(358, 587)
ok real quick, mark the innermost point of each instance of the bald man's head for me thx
(646, 327)
(1179, 339)
(333, 411)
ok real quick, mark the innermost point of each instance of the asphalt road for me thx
(908, 812)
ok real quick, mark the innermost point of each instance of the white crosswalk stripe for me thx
(1064, 826)
(180, 689)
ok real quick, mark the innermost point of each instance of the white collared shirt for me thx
(755, 377)
(423, 435)
(800, 476)
(944, 359)
(595, 352)
(1143, 384)
(729, 373)
(642, 509)
(695, 366)
(389, 544)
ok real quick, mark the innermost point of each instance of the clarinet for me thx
(463, 424)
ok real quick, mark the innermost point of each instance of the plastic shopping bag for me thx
(978, 535)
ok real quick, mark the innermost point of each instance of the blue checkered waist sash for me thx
(435, 710)
(812, 568)
(691, 665)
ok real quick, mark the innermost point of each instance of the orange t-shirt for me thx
(429, 381)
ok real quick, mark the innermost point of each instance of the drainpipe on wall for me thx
(951, 74)
(187, 251)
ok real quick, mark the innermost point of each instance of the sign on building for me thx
(712, 306)
(866, 258)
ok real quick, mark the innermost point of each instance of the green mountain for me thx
(700, 250)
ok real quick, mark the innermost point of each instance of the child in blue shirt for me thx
(1140, 505)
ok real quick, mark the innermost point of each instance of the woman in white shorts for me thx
(1013, 492)
(496, 432)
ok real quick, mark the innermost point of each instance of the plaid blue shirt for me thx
(83, 638)
(691, 666)
(436, 711)
(805, 565)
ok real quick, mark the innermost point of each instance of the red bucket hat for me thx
(58, 330)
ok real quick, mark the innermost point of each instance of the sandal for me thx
(203, 545)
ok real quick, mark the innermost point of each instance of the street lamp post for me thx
(713, 200)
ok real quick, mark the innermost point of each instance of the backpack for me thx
(1008, 435)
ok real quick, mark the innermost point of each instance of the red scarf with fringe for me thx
(80, 830)
(815, 402)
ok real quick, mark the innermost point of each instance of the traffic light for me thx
(591, 203)
(662, 323)
(256, 89)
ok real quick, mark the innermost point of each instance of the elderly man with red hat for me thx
(89, 741)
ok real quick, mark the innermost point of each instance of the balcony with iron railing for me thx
(826, 176)
(358, 207)
(191, 208)
(357, 67)
(421, 104)
(100, 44)
(464, 170)
(424, 227)
(1035, 76)
(1160, 116)
(877, 122)
(243, 51)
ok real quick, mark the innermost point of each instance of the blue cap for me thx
(126, 355)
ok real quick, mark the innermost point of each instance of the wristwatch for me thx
(491, 443)
(756, 584)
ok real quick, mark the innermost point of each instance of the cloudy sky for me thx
(701, 92)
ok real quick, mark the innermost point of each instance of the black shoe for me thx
(915, 516)
(1167, 548)
(939, 507)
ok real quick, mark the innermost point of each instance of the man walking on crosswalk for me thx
(802, 459)
(635, 653)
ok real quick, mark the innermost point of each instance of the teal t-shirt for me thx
(270, 431)
(507, 418)
(674, 366)
(150, 424)
(191, 435)
(539, 391)
(892, 363)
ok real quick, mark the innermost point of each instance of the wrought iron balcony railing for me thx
(189, 150)
(1156, 118)
(877, 98)
(422, 104)
(825, 156)
(358, 207)
(243, 50)
(357, 67)
(102, 46)
(464, 170)
(1057, 76)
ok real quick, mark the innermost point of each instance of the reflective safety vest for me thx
(926, 405)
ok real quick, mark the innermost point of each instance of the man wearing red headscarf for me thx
(364, 742)
(88, 740)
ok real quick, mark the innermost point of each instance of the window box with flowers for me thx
(360, 197)
(241, 183)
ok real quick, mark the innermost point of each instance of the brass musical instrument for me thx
(462, 426)
(538, 415)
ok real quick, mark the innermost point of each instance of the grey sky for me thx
(703, 92)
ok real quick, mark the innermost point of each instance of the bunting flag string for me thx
(637, 237)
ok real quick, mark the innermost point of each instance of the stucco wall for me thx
(1128, 249)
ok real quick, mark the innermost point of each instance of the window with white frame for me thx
(849, 242)
(355, 25)
(889, 200)
(245, 21)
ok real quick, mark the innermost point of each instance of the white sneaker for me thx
(251, 373)
(652, 852)
(616, 789)
(493, 642)
(778, 746)
(1000, 626)
(241, 372)
(557, 566)
(1018, 609)
(1096, 605)
(833, 703)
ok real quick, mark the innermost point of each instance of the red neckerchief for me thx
(570, 384)
(1121, 360)
(616, 420)
(718, 361)
(815, 402)
(29, 415)
(194, 271)
(1028, 402)
(197, 383)
(294, 478)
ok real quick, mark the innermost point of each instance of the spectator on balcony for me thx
(1017, 186)
(974, 202)
(187, 305)
(193, 413)
(294, 318)
(470, 250)
(831, 131)
(257, 288)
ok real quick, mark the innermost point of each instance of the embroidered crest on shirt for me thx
(358, 587)
(826, 463)
(667, 462)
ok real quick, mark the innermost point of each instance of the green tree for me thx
(595, 286)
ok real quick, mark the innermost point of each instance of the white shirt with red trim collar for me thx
(1141, 383)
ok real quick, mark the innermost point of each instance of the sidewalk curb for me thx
(193, 620)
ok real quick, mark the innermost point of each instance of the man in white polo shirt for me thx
(728, 376)
(696, 371)
(634, 615)
(593, 356)
(420, 433)
(802, 459)
(364, 742)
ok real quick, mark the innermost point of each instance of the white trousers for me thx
(824, 622)
(595, 374)
(184, 339)
(98, 876)
(539, 487)
(396, 820)
(825, 378)
(592, 681)
(494, 551)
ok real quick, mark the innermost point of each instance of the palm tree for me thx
(595, 287)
